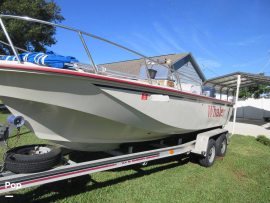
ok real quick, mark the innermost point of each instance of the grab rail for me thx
(80, 33)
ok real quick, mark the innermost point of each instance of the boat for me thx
(91, 108)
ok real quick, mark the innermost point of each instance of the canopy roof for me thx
(229, 81)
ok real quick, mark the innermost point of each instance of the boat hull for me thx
(85, 113)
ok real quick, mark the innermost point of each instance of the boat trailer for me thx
(10, 181)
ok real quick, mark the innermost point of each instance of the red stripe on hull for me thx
(105, 78)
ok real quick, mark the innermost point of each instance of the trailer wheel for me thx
(210, 157)
(32, 158)
(221, 145)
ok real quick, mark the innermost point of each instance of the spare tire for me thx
(32, 158)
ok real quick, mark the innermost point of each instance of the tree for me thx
(26, 35)
(254, 91)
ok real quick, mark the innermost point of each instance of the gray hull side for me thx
(76, 113)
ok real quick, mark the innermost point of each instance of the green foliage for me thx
(264, 140)
(254, 91)
(30, 36)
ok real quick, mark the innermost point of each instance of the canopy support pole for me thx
(236, 101)
(220, 93)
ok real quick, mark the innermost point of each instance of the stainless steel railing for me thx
(81, 36)
(2, 42)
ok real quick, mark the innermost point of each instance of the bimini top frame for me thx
(81, 35)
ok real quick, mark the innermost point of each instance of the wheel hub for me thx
(223, 147)
(212, 154)
(41, 150)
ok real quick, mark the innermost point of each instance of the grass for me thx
(264, 140)
(242, 176)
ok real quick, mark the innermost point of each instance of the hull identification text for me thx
(214, 111)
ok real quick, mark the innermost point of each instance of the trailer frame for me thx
(12, 182)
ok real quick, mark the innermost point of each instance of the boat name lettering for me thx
(214, 111)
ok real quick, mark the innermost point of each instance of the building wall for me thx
(190, 80)
(253, 108)
(224, 97)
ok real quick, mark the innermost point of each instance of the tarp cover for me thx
(46, 59)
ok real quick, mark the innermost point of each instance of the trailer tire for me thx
(210, 157)
(221, 145)
(22, 160)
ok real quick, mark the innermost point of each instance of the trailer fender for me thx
(203, 138)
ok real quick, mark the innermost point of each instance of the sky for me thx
(224, 36)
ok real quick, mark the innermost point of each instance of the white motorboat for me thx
(92, 108)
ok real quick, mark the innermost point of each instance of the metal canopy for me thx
(229, 81)
(233, 82)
